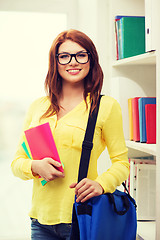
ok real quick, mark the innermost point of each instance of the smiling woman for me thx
(73, 81)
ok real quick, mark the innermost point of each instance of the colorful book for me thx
(142, 117)
(135, 115)
(26, 150)
(132, 40)
(130, 119)
(150, 113)
(42, 144)
(118, 36)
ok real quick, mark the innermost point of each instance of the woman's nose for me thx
(73, 61)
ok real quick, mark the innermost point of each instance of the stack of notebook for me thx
(142, 119)
(130, 36)
(39, 143)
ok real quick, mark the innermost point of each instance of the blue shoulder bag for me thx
(105, 217)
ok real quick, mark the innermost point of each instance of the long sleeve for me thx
(112, 134)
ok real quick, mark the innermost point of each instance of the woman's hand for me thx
(46, 168)
(86, 189)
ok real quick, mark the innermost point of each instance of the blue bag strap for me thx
(83, 169)
(87, 144)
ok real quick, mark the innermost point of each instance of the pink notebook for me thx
(150, 111)
(135, 116)
(42, 144)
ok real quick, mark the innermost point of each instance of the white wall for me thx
(93, 19)
(47, 6)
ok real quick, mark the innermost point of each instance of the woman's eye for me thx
(82, 55)
(63, 56)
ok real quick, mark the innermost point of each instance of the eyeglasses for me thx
(80, 57)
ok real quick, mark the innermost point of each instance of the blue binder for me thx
(142, 118)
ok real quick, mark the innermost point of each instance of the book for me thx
(146, 191)
(116, 38)
(150, 114)
(118, 35)
(130, 119)
(142, 118)
(135, 116)
(41, 143)
(142, 186)
(119, 38)
(27, 151)
(132, 42)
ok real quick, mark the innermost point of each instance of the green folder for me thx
(132, 32)
(43, 182)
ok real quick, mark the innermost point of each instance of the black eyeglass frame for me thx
(71, 56)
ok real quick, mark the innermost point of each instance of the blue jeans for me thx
(49, 232)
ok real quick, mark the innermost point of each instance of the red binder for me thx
(41, 143)
(135, 115)
(150, 111)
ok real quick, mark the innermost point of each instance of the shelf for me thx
(137, 149)
(142, 59)
(146, 230)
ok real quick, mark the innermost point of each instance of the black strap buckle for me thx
(87, 145)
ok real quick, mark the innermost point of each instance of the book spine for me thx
(122, 37)
(135, 114)
(142, 124)
(130, 119)
(150, 114)
(116, 39)
(119, 39)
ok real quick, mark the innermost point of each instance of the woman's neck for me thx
(72, 91)
(71, 96)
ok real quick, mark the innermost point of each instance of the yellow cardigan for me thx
(52, 203)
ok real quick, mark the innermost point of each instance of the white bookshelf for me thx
(143, 148)
(132, 77)
(142, 59)
(146, 230)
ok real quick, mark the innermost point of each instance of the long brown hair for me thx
(53, 82)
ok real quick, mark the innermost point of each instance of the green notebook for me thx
(132, 41)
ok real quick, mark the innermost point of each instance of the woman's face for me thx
(73, 72)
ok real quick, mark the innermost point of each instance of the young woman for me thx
(74, 79)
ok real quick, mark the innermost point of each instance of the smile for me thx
(73, 70)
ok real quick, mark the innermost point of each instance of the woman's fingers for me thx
(47, 169)
(86, 189)
(53, 162)
(73, 185)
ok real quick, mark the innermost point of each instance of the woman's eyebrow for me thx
(73, 53)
